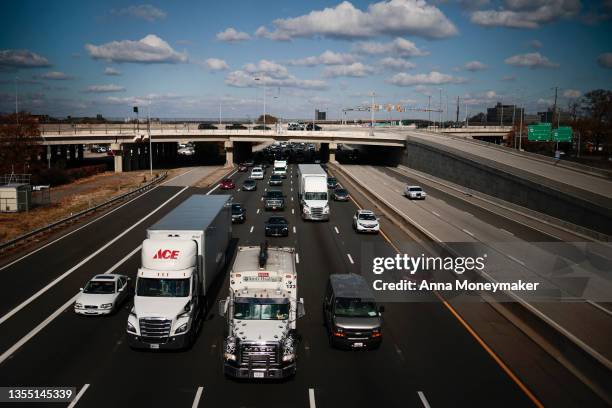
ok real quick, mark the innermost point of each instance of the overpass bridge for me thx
(133, 139)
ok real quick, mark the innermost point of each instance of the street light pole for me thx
(16, 102)
(372, 115)
(150, 141)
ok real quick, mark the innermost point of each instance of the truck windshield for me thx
(279, 169)
(99, 287)
(315, 196)
(257, 311)
(162, 287)
(353, 307)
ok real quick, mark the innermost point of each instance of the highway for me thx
(428, 357)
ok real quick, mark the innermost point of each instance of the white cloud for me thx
(531, 60)
(474, 66)
(508, 78)
(216, 64)
(544, 101)
(111, 71)
(432, 78)
(526, 13)
(22, 59)
(604, 60)
(396, 64)
(356, 69)
(104, 88)
(399, 47)
(150, 49)
(230, 34)
(572, 93)
(266, 67)
(326, 58)
(345, 21)
(144, 11)
(55, 75)
(490, 95)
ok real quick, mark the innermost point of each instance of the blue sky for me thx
(186, 58)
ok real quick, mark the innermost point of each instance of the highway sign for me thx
(562, 134)
(539, 133)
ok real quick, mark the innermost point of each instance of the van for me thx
(351, 316)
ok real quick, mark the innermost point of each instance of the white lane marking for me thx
(435, 213)
(350, 258)
(468, 232)
(251, 230)
(423, 400)
(265, 189)
(84, 261)
(291, 198)
(258, 211)
(516, 259)
(198, 396)
(88, 224)
(297, 258)
(261, 198)
(506, 231)
(311, 398)
(59, 311)
(78, 396)
(336, 229)
(213, 189)
(292, 189)
(292, 211)
(294, 229)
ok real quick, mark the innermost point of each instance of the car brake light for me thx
(339, 334)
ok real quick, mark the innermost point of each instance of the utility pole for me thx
(219, 113)
(521, 131)
(429, 110)
(16, 102)
(372, 116)
(150, 141)
(554, 110)
(467, 118)
(457, 118)
(501, 117)
(440, 122)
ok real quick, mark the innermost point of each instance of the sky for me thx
(195, 59)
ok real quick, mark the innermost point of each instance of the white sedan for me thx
(415, 193)
(366, 221)
(102, 295)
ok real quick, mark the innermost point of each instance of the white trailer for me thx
(312, 192)
(261, 310)
(183, 254)
(280, 168)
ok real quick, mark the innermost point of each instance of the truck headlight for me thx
(326, 209)
(306, 209)
(78, 306)
(288, 357)
(131, 328)
(181, 329)
(186, 311)
(106, 306)
(229, 356)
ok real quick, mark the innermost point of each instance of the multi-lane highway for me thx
(429, 356)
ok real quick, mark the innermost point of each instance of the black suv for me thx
(276, 227)
(274, 200)
(238, 213)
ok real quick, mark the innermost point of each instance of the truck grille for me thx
(316, 211)
(357, 334)
(274, 203)
(155, 328)
(258, 355)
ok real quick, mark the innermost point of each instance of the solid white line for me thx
(423, 400)
(350, 258)
(336, 229)
(516, 259)
(467, 232)
(213, 189)
(59, 311)
(251, 230)
(87, 259)
(198, 396)
(506, 231)
(294, 229)
(78, 396)
(175, 177)
(435, 213)
(297, 258)
(311, 398)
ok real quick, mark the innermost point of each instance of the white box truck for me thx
(312, 192)
(261, 311)
(181, 257)
(280, 168)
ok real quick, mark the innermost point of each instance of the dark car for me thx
(276, 227)
(340, 194)
(274, 200)
(243, 168)
(235, 126)
(204, 126)
(261, 127)
(249, 185)
(311, 126)
(238, 213)
(276, 180)
(249, 163)
(227, 184)
(332, 182)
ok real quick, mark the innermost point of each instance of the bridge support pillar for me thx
(117, 149)
(332, 152)
(79, 152)
(229, 154)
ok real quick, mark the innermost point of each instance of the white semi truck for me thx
(181, 257)
(261, 313)
(312, 193)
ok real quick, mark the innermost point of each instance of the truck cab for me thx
(261, 312)
(280, 168)
(313, 193)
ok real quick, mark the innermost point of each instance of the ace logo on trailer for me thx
(166, 254)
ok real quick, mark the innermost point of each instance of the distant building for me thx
(320, 115)
(503, 114)
(547, 116)
(530, 119)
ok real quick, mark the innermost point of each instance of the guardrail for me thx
(22, 238)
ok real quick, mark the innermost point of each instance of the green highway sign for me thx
(562, 134)
(539, 133)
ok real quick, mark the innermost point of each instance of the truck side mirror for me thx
(301, 311)
(223, 306)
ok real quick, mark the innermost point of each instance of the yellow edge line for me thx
(473, 333)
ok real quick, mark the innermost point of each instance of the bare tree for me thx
(19, 142)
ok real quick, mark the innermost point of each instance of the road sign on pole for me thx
(540, 132)
(562, 134)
